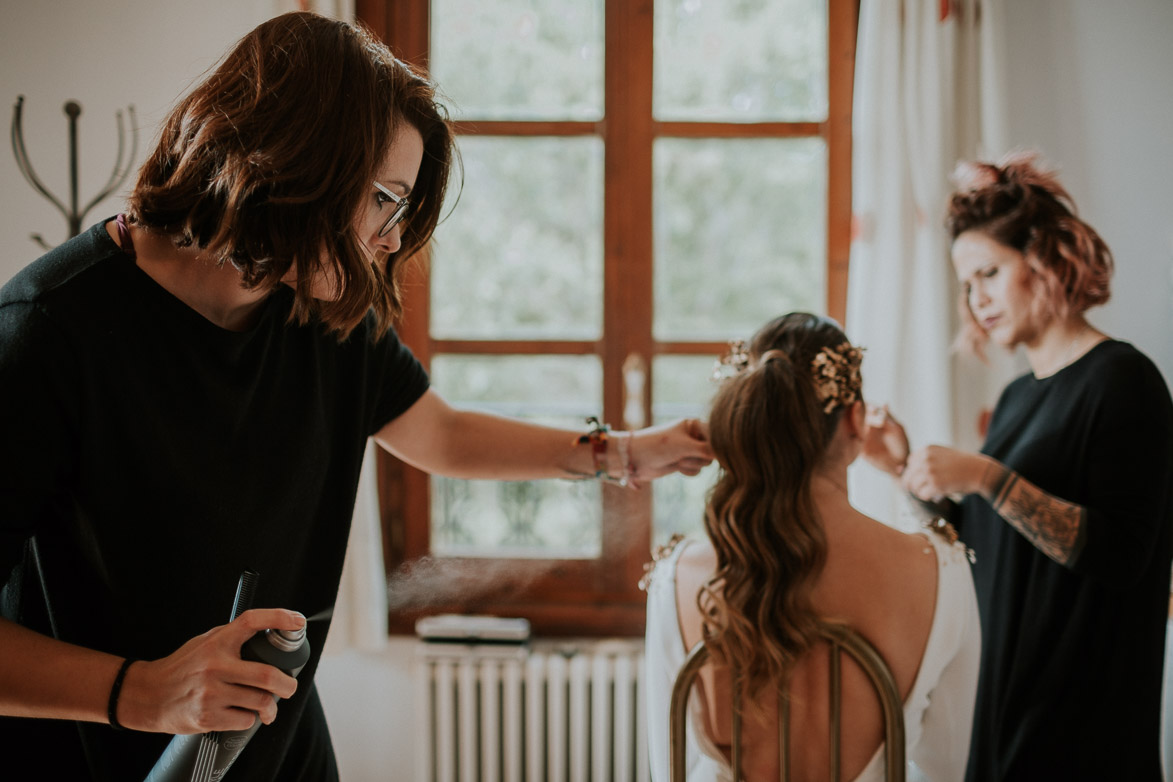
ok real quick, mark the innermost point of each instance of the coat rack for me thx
(73, 216)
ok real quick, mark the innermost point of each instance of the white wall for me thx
(1090, 85)
(105, 56)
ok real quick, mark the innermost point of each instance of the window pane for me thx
(740, 60)
(682, 387)
(521, 256)
(740, 234)
(557, 519)
(519, 59)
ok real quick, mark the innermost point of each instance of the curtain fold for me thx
(360, 613)
(928, 94)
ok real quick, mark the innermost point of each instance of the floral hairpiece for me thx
(836, 375)
(835, 371)
(736, 360)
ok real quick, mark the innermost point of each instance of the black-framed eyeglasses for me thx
(398, 212)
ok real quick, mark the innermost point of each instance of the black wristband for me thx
(115, 691)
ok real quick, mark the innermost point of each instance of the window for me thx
(643, 182)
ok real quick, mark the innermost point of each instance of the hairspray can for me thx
(206, 757)
(288, 650)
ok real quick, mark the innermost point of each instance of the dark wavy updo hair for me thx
(267, 162)
(770, 431)
(1018, 203)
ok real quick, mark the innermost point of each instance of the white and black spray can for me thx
(206, 757)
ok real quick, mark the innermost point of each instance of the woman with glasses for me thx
(186, 392)
(1069, 505)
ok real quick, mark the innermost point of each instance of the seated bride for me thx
(784, 550)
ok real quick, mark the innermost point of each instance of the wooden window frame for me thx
(600, 597)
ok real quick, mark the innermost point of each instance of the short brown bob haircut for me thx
(267, 162)
(1019, 204)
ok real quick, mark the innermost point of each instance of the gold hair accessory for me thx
(736, 360)
(836, 375)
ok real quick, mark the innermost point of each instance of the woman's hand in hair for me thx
(885, 444)
(936, 472)
(682, 446)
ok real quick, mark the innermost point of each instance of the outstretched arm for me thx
(444, 440)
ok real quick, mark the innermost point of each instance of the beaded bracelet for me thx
(115, 691)
(598, 434)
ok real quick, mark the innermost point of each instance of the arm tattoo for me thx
(1052, 525)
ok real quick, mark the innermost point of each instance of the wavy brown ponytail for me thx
(1019, 204)
(769, 432)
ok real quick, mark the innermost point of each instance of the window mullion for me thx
(404, 500)
(842, 21)
(628, 134)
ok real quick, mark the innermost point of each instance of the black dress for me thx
(1071, 673)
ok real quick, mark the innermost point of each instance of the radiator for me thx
(547, 712)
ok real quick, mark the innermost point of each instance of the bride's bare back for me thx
(877, 579)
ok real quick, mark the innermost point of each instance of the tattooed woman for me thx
(1068, 505)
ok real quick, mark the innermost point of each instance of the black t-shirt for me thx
(1071, 675)
(152, 457)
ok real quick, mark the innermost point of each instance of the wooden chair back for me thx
(840, 639)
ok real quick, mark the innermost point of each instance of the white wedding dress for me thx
(938, 712)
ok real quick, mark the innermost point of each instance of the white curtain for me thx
(928, 94)
(360, 613)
